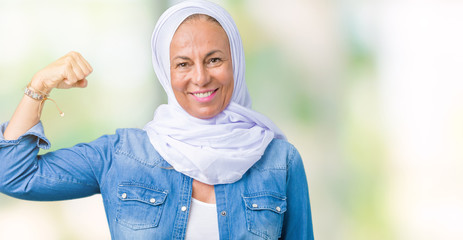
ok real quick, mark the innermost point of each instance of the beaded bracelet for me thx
(40, 96)
(28, 91)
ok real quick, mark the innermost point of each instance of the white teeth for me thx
(204, 94)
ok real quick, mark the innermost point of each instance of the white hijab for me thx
(218, 150)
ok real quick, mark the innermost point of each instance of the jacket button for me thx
(183, 208)
(124, 196)
(152, 200)
(223, 213)
(278, 209)
(254, 205)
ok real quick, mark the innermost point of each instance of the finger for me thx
(85, 66)
(88, 66)
(76, 60)
(78, 70)
(69, 75)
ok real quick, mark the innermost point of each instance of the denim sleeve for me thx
(63, 174)
(298, 217)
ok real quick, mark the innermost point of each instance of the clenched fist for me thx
(69, 71)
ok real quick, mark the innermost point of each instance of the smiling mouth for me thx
(204, 94)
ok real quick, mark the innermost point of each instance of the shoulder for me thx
(135, 144)
(279, 154)
(280, 145)
(130, 134)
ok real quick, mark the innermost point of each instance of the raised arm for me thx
(63, 174)
(69, 71)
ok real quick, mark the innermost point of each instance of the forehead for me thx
(199, 32)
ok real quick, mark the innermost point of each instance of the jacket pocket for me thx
(264, 214)
(139, 207)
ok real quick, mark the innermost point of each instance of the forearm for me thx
(27, 115)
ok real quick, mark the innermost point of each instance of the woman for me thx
(207, 166)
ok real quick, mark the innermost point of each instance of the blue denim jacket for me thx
(144, 198)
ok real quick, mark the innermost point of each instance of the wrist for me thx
(39, 86)
(41, 96)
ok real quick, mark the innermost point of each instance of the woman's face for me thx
(201, 69)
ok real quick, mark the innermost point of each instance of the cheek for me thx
(225, 75)
(177, 82)
(228, 80)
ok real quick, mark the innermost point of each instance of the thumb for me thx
(81, 83)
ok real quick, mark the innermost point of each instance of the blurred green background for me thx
(368, 91)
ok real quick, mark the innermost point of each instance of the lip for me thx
(204, 99)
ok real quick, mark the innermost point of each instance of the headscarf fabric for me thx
(221, 149)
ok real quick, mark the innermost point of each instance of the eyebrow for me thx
(212, 52)
(207, 55)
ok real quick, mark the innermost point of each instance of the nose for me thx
(200, 76)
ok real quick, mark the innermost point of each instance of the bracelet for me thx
(30, 92)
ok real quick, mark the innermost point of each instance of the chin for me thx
(204, 114)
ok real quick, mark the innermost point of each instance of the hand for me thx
(69, 71)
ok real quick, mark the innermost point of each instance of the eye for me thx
(214, 61)
(181, 65)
